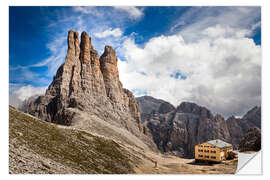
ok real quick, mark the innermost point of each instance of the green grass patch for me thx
(73, 148)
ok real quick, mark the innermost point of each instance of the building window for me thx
(213, 151)
(213, 157)
(200, 155)
(206, 156)
(206, 151)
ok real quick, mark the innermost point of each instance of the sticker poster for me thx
(135, 90)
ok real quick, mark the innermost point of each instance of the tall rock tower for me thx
(89, 84)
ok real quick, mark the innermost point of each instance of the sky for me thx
(207, 55)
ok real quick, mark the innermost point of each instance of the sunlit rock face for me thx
(88, 83)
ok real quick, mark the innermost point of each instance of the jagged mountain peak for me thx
(108, 50)
(87, 93)
(190, 107)
(255, 111)
(149, 104)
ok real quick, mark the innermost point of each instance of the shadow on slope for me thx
(36, 146)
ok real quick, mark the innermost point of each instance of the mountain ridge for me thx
(180, 129)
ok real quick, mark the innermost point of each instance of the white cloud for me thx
(200, 18)
(14, 101)
(58, 50)
(133, 12)
(16, 97)
(109, 32)
(25, 92)
(225, 31)
(223, 71)
(88, 10)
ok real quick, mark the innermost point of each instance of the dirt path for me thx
(174, 165)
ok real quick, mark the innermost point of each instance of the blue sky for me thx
(37, 47)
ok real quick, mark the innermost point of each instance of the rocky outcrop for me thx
(88, 84)
(165, 107)
(251, 140)
(147, 105)
(113, 86)
(178, 130)
(253, 117)
(239, 126)
(235, 129)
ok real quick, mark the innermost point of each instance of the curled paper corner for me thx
(249, 163)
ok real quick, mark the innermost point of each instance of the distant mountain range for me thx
(178, 130)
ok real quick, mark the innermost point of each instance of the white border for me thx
(136, 2)
(4, 74)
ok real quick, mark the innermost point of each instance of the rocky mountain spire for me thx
(85, 48)
(90, 84)
(108, 62)
(73, 46)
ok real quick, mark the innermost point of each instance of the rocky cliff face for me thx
(88, 87)
(251, 141)
(178, 130)
(148, 104)
(239, 126)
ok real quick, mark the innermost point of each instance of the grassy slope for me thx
(78, 151)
